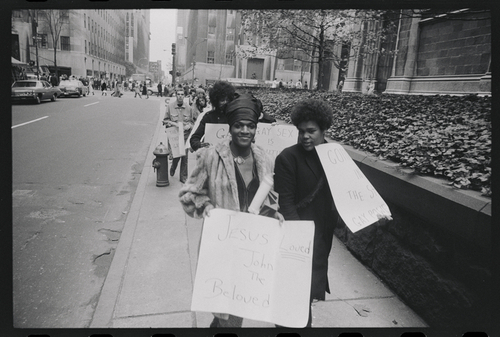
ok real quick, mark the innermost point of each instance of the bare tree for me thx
(54, 19)
(314, 36)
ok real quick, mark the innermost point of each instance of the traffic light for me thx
(178, 73)
(171, 72)
(173, 48)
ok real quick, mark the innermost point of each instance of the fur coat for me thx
(213, 180)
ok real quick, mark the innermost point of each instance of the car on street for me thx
(33, 90)
(72, 88)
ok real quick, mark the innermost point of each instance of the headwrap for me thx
(243, 107)
(199, 90)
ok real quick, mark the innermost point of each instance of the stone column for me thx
(402, 84)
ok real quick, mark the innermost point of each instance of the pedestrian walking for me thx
(192, 96)
(221, 93)
(53, 80)
(91, 86)
(117, 92)
(160, 90)
(145, 90)
(179, 111)
(137, 90)
(104, 88)
(228, 174)
(304, 193)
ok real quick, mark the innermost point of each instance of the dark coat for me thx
(304, 194)
(214, 117)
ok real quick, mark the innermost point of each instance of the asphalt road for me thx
(76, 163)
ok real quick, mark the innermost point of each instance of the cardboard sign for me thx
(251, 267)
(216, 133)
(357, 201)
(275, 138)
(272, 138)
(176, 140)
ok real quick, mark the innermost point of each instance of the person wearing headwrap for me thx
(228, 174)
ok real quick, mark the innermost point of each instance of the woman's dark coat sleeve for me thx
(285, 185)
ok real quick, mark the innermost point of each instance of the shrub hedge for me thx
(443, 136)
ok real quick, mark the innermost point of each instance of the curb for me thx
(103, 314)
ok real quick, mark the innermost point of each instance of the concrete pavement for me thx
(150, 280)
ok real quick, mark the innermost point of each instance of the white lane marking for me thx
(91, 103)
(35, 120)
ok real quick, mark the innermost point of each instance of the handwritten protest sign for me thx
(251, 267)
(272, 138)
(216, 133)
(357, 201)
(176, 140)
(275, 138)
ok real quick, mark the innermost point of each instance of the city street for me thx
(76, 164)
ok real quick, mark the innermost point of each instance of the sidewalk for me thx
(150, 279)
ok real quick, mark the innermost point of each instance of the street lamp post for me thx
(35, 40)
(194, 65)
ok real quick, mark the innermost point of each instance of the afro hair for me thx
(219, 91)
(312, 110)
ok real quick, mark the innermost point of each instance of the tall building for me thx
(137, 37)
(90, 42)
(207, 43)
(432, 52)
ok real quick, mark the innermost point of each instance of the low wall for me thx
(436, 252)
(434, 85)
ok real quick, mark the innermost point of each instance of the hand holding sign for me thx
(245, 266)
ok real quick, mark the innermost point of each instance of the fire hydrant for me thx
(160, 164)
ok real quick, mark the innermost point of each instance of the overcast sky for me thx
(162, 25)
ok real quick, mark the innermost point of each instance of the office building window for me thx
(17, 13)
(229, 58)
(64, 15)
(211, 57)
(230, 34)
(85, 46)
(65, 43)
(297, 65)
(211, 29)
(84, 20)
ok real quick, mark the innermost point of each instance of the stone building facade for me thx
(437, 53)
(92, 42)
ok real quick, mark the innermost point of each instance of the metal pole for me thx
(173, 70)
(35, 40)
(194, 64)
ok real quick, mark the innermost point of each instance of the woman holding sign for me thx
(228, 174)
(303, 190)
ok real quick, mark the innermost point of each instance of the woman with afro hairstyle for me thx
(220, 94)
(304, 193)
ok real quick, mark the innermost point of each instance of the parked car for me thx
(72, 87)
(33, 90)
